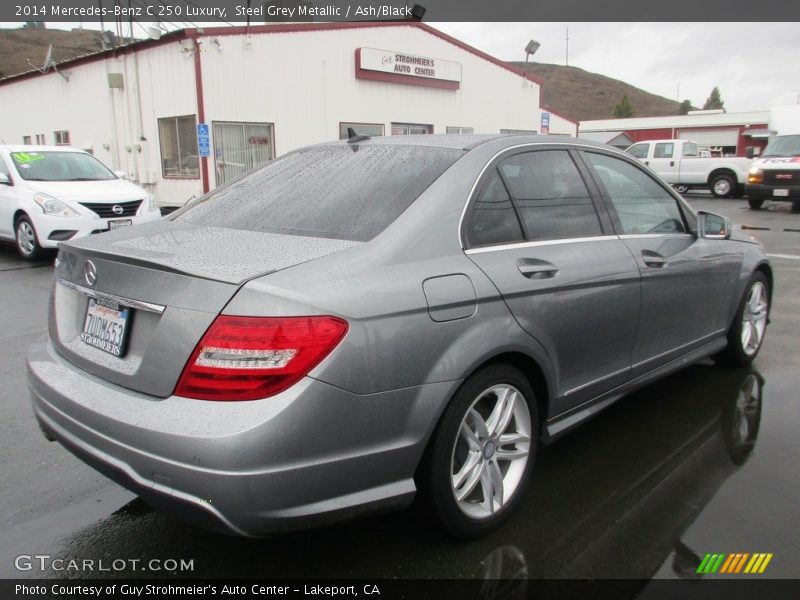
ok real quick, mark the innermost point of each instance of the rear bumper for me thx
(758, 191)
(308, 456)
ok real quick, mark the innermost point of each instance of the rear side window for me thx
(338, 192)
(533, 196)
(641, 205)
(493, 219)
(550, 195)
(663, 150)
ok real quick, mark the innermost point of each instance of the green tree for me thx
(623, 110)
(714, 101)
(685, 107)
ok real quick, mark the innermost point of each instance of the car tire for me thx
(27, 241)
(723, 186)
(756, 204)
(482, 452)
(746, 334)
(680, 188)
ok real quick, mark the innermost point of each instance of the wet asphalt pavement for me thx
(704, 461)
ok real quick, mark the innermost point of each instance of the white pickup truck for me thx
(678, 162)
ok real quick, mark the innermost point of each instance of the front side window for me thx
(60, 166)
(641, 205)
(339, 192)
(638, 150)
(179, 154)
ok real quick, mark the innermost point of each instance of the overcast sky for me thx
(755, 65)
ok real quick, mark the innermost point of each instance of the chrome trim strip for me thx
(598, 380)
(645, 236)
(129, 302)
(705, 338)
(596, 238)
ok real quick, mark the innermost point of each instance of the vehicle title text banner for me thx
(205, 13)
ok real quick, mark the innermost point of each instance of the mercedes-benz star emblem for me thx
(90, 273)
(117, 209)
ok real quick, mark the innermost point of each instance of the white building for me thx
(263, 91)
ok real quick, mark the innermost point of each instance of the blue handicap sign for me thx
(203, 146)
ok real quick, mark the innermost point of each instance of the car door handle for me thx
(672, 163)
(653, 259)
(533, 268)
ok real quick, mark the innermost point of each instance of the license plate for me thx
(780, 193)
(106, 327)
(119, 224)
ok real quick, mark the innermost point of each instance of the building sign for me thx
(544, 126)
(401, 67)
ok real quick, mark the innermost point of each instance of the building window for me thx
(26, 139)
(410, 129)
(40, 139)
(519, 131)
(460, 130)
(240, 147)
(370, 129)
(178, 139)
(61, 137)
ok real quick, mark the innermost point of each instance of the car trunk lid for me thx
(173, 279)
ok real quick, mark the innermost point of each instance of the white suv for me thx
(49, 194)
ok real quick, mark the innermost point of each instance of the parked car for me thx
(776, 174)
(50, 194)
(679, 163)
(360, 321)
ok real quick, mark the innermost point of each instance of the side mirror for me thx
(712, 226)
(121, 174)
(4, 179)
(750, 152)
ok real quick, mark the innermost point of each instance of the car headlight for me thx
(54, 206)
(152, 204)
(755, 175)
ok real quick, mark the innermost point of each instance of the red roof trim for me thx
(279, 28)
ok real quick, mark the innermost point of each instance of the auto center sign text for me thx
(402, 63)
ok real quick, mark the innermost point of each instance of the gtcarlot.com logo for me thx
(46, 562)
(735, 564)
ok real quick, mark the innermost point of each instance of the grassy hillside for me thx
(18, 45)
(582, 96)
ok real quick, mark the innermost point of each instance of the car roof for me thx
(31, 148)
(467, 142)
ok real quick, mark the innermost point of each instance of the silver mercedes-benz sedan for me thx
(361, 321)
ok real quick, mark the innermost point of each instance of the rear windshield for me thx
(340, 192)
(60, 166)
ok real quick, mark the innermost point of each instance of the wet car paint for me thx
(624, 496)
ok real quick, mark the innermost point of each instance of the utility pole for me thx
(566, 39)
(678, 93)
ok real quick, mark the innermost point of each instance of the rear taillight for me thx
(246, 358)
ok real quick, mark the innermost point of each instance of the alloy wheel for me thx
(491, 451)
